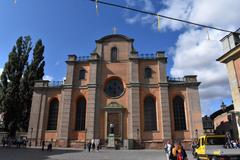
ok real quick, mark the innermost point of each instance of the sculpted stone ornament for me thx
(111, 128)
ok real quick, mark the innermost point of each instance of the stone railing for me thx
(147, 56)
(83, 58)
(188, 78)
(176, 79)
(55, 84)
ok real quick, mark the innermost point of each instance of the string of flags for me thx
(161, 16)
(96, 3)
(158, 23)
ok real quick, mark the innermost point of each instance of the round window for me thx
(114, 88)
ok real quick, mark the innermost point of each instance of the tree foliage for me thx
(17, 82)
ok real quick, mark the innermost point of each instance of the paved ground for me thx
(66, 154)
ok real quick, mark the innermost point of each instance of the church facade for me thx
(116, 90)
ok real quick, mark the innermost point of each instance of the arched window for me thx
(80, 114)
(179, 113)
(53, 115)
(82, 73)
(150, 123)
(148, 72)
(114, 54)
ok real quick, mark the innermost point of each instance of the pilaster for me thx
(36, 129)
(63, 130)
(92, 124)
(134, 102)
(194, 111)
(165, 112)
(65, 106)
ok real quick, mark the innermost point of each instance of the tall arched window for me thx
(179, 113)
(82, 74)
(53, 115)
(150, 123)
(80, 114)
(147, 72)
(114, 54)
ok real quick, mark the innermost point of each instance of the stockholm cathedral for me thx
(116, 87)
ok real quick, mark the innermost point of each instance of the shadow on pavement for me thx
(31, 153)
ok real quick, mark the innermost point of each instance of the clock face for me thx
(114, 88)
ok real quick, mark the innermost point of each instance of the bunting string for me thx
(159, 23)
(96, 3)
(162, 16)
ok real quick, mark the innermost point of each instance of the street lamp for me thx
(196, 132)
(30, 143)
(85, 145)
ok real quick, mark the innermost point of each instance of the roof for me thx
(120, 36)
(232, 54)
(220, 111)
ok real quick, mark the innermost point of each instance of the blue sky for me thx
(72, 26)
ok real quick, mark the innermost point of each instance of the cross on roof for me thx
(114, 30)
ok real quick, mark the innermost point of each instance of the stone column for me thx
(164, 97)
(65, 106)
(92, 112)
(134, 103)
(36, 125)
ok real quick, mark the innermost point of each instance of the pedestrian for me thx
(194, 146)
(93, 146)
(3, 141)
(43, 144)
(167, 149)
(89, 145)
(50, 146)
(181, 153)
(18, 142)
(173, 153)
(98, 146)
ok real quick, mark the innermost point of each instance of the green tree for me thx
(34, 71)
(16, 83)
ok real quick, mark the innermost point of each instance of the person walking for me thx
(93, 146)
(89, 145)
(181, 153)
(167, 148)
(50, 146)
(173, 154)
(3, 141)
(43, 144)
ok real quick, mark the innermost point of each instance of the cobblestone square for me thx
(61, 154)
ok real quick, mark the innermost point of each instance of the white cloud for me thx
(47, 77)
(1, 69)
(193, 53)
(145, 5)
(57, 63)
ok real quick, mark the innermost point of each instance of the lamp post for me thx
(138, 137)
(196, 132)
(85, 145)
(30, 143)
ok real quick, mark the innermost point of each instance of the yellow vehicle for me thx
(211, 147)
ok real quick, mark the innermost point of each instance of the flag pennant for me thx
(207, 34)
(96, 2)
(159, 24)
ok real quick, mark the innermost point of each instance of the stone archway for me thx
(114, 114)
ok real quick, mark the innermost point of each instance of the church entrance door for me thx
(114, 119)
